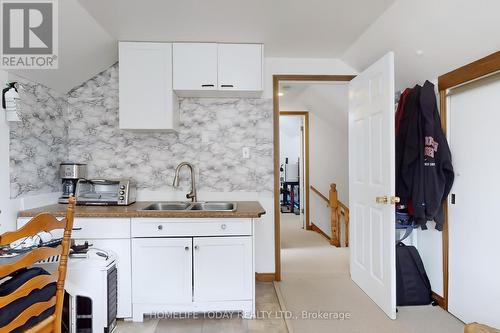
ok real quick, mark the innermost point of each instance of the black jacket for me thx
(438, 169)
(424, 173)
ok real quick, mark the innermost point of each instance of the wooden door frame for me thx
(276, 151)
(474, 71)
(304, 114)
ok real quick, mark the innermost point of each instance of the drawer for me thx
(151, 227)
(101, 228)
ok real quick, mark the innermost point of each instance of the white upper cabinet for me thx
(211, 69)
(240, 67)
(195, 66)
(147, 99)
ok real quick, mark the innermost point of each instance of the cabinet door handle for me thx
(226, 86)
(186, 248)
(160, 227)
(196, 247)
(76, 229)
(207, 85)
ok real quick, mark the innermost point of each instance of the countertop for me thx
(244, 209)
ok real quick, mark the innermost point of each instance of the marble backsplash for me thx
(38, 143)
(212, 134)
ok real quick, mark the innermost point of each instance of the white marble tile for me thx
(212, 134)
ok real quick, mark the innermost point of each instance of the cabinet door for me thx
(162, 270)
(121, 248)
(240, 67)
(147, 100)
(223, 269)
(195, 66)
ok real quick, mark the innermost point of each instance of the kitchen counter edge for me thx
(244, 209)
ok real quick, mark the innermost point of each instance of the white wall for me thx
(451, 33)
(290, 139)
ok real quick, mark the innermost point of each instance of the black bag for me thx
(412, 284)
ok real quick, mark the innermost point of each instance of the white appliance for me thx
(292, 172)
(91, 293)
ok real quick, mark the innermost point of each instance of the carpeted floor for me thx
(316, 280)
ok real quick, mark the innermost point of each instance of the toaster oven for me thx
(105, 192)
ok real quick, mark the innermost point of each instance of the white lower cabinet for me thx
(222, 268)
(162, 268)
(191, 274)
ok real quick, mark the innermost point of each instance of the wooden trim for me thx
(305, 114)
(314, 227)
(276, 151)
(265, 277)
(439, 300)
(445, 234)
(320, 195)
(322, 78)
(475, 70)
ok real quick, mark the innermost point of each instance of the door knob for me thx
(385, 200)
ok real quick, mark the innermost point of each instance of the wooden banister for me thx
(320, 194)
(339, 213)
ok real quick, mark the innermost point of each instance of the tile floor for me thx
(267, 303)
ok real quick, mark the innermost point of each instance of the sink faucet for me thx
(192, 194)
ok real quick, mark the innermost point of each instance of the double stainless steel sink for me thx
(212, 206)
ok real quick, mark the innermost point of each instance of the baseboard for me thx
(319, 231)
(265, 277)
(439, 300)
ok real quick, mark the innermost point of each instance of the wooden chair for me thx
(42, 222)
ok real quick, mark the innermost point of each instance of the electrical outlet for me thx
(246, 152)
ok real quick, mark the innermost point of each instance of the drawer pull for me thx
(160, 227)
(207, 85)
(223, 226)
(76, 229)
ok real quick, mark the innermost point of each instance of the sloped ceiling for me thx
(85, 49)
(328, 100)
(288, 28)
(429, 37)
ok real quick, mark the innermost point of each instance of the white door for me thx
(162, 270)
(474, 267)
(223, 269)
(240, 67)
(372, 175)
(195, 66)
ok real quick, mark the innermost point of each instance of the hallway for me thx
(316, 278)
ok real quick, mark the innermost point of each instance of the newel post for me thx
(334, 206)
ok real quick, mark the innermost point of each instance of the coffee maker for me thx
(70, 173)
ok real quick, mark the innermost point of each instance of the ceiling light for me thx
(280, 94)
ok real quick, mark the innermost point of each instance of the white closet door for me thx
(474, 263)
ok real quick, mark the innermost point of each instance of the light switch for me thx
(246, 152)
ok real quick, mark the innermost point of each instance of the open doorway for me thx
(312, 127)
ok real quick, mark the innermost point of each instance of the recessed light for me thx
(280, 94)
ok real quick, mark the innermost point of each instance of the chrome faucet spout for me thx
(192, 194)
